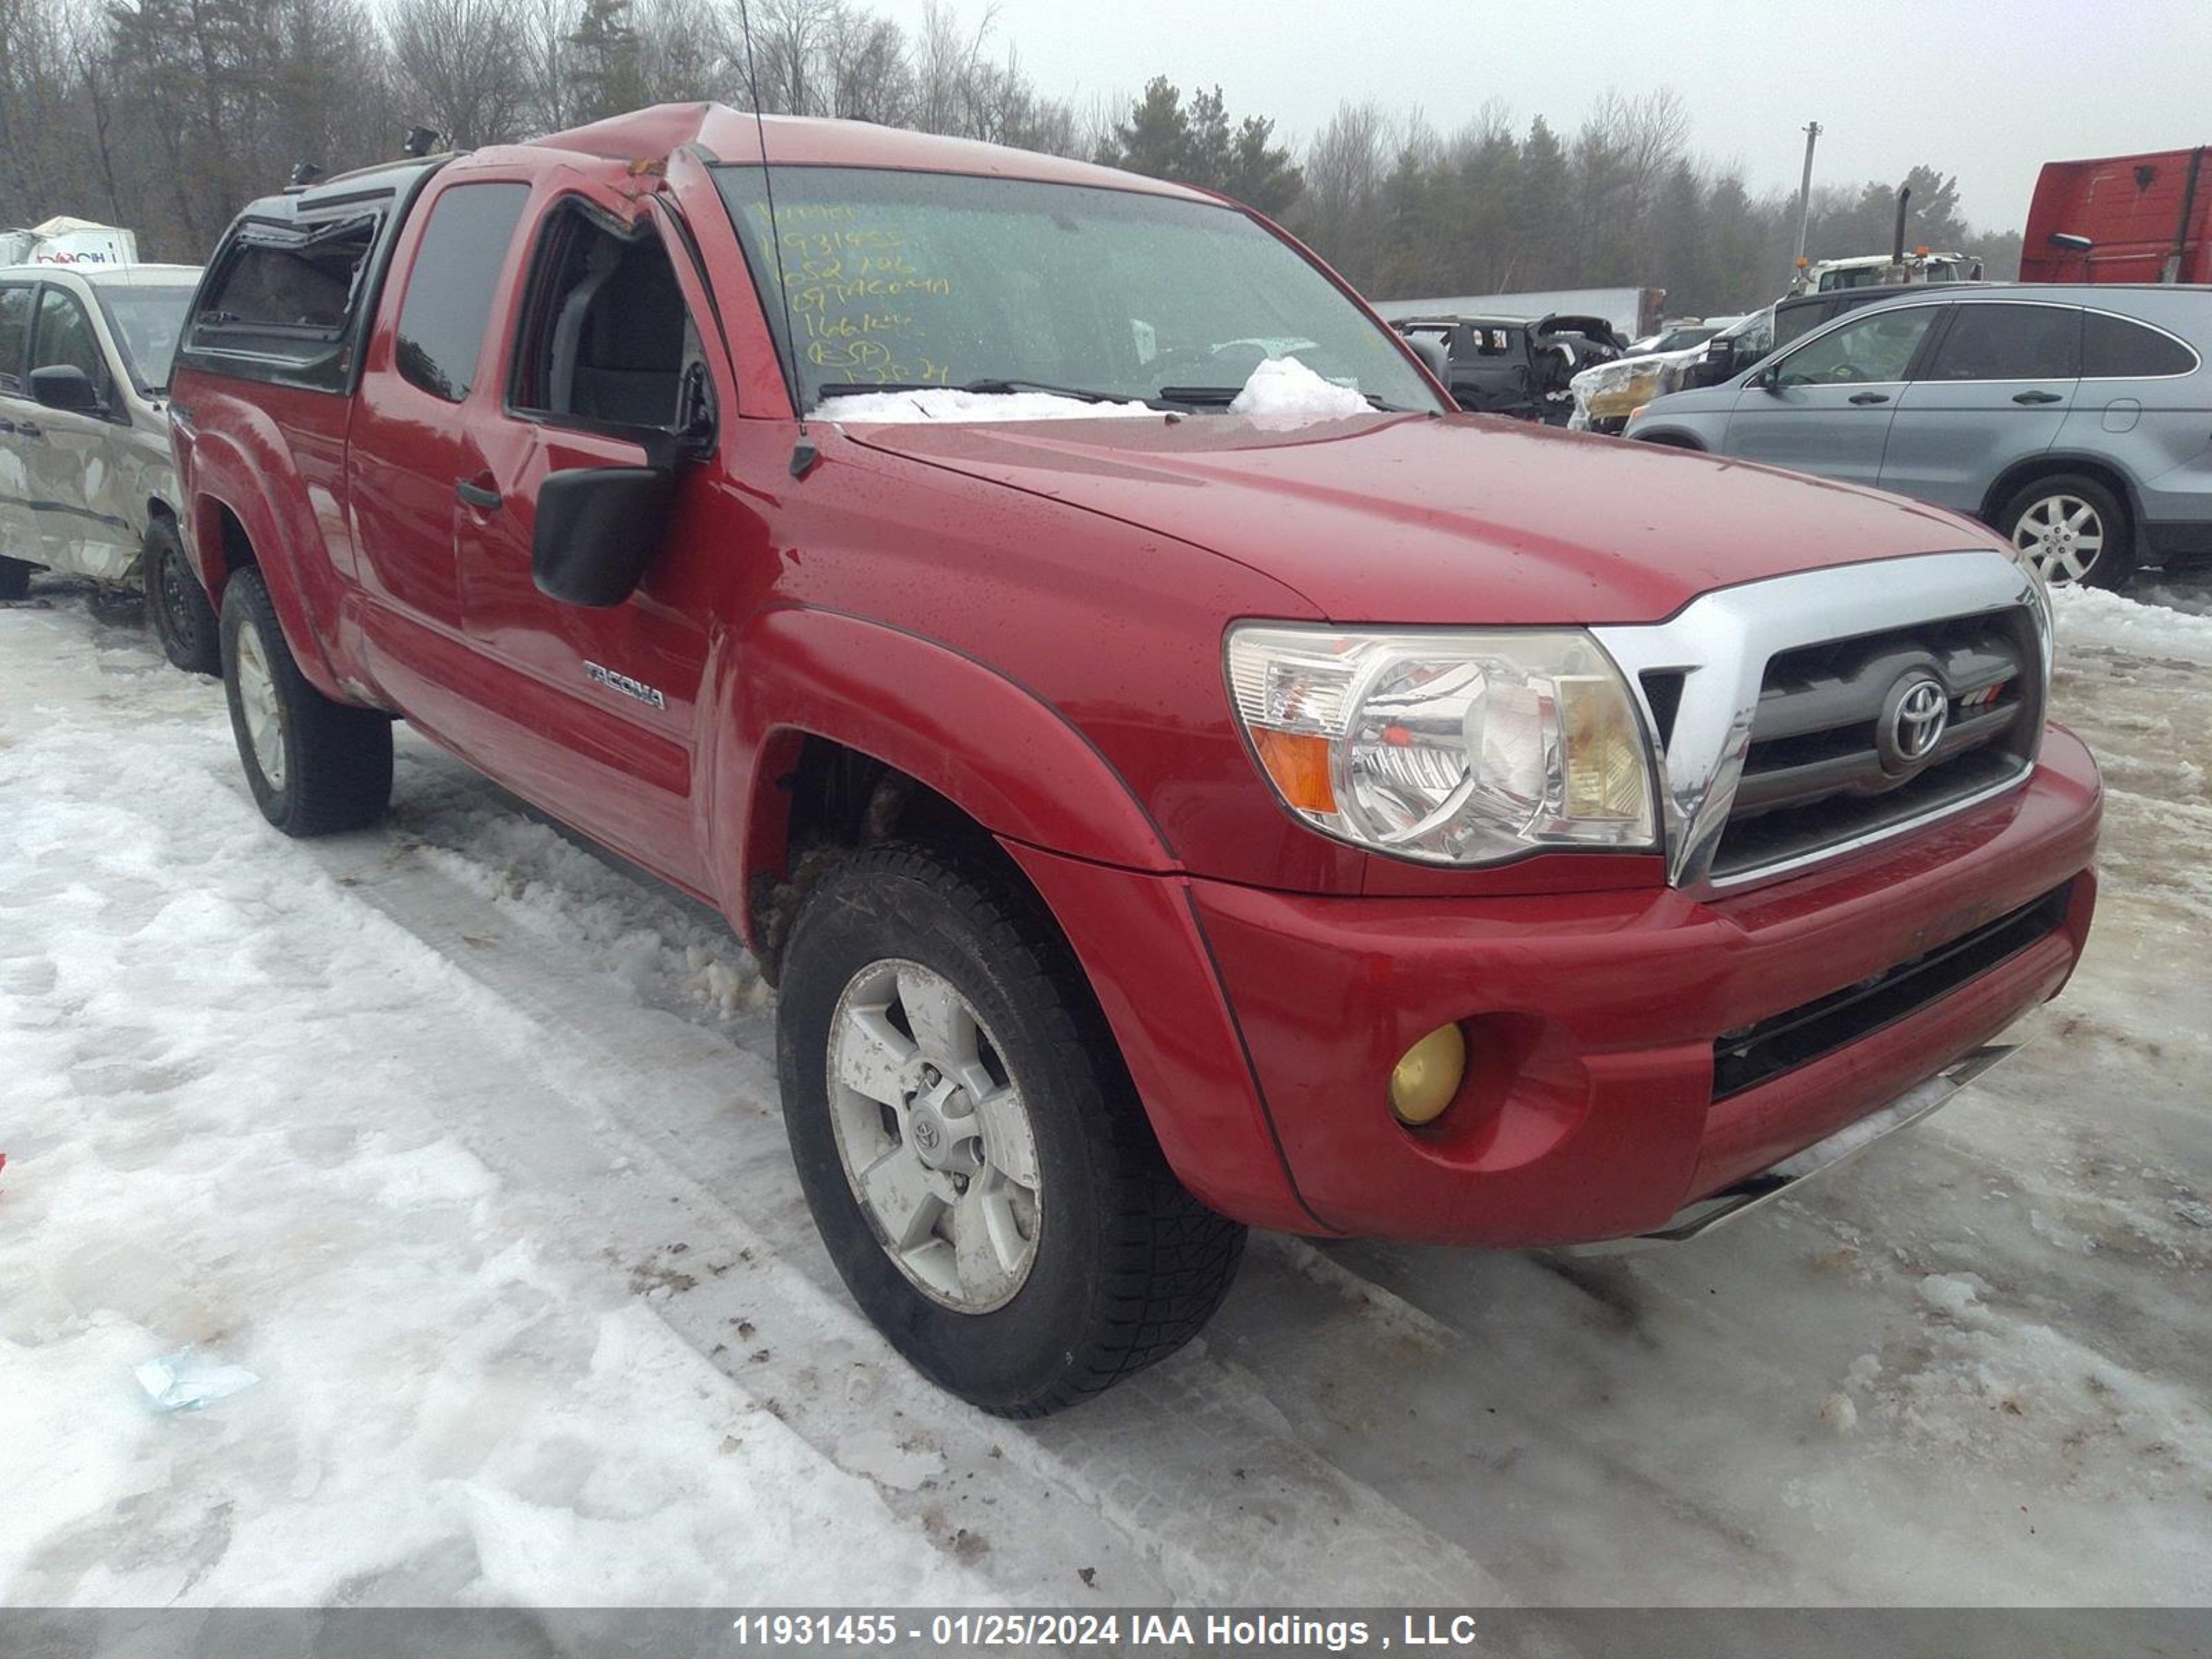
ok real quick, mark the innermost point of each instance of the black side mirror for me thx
(66, 387)
(598, 528)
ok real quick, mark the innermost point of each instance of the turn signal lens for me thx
(1427, 1078)
(1604, 751)
(1298, 761)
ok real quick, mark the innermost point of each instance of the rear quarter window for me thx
(2113, 348)
(450, 290)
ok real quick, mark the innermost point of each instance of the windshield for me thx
(147, 323)
(937, 279)
(1681, 339)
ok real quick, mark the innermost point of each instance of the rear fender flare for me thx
(272, 506)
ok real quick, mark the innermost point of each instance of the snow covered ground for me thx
(464, 1141)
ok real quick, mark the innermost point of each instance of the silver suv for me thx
(2076, 420)
(88, 486)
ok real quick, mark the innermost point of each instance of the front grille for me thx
(1828, 762)
(1758, 1054)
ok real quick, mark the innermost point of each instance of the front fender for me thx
(1021, 769)
(989, 745)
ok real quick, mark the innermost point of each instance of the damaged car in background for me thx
(88, 487)
(1522, 366)
(1604, 393)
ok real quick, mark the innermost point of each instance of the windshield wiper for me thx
(1222, 395)
(992, 386)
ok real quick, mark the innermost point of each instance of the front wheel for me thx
(314, 766)
(971, 1146)
(2069, 529)
(15, 579)
(177, 607)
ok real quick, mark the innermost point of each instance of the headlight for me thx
(1447, 747)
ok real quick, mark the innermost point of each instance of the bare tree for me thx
(458, 68)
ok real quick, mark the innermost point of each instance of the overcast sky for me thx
(1985, 89)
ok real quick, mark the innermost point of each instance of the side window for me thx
(298, 286)
(2111, 347)
(606, 339)
(1991, 341)
(15, 335)
(64, 338)
(1874, 348)
(449, 292)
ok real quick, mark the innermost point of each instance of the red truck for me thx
(1350, 818)
(2142, 218)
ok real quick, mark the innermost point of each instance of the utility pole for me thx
(1804, 201)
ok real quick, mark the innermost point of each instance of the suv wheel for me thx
(315, 766)
(2070, 529)
(972, 1150)
(177, 607)
(15, 579)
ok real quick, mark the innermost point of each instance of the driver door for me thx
(1827, 405)
(600, 705)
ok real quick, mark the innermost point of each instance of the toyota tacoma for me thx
(1180, 775)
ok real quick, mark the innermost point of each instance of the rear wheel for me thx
(177, 607)
(971, 1146)
(2071, 528)
(314, 766)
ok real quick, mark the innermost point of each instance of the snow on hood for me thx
(1286, 387)
(945, 403)
(1281, 387)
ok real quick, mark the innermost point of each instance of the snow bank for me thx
(2092, 616)
(950, 404)
(1286, 387)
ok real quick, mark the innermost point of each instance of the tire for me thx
(15, 579)
(315, 766)
(177, 608)
(1110, 1267)
(2050, 522)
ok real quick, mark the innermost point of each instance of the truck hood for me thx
(1418, 520)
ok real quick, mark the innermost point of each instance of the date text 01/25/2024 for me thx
(1163, 1630)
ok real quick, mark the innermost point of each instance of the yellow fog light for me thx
(1428, 1075)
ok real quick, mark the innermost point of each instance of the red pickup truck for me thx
(1196, 810)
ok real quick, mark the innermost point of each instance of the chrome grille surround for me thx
(1717, 649)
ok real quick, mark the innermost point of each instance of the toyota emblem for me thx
(1919, 710)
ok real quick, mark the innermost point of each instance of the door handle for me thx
(1870, 396)
(2036, 397)
(477, 496)
(28, 429)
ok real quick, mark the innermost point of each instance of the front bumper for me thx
(1590, 1110)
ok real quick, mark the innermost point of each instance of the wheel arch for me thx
(230, 529)
(1671, 437)
(822, 710)
(2052, 463)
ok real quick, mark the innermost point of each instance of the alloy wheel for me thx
(2061, 537)
(257, 697)
(934, 1137)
